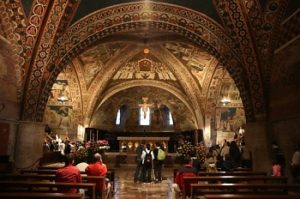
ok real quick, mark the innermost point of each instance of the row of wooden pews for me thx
(238, 184)
(27, 195)
(40, 183)
(50, 169)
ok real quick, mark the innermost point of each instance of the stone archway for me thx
(127, 18)
(150, 83)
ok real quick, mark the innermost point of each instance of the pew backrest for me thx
(17, 186)
(18, 195)
(230, 188)
(250, 196)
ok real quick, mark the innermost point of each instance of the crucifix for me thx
(145, 106)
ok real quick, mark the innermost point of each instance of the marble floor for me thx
(125, 188)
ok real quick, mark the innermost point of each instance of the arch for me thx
(152, 83)
(126, 18)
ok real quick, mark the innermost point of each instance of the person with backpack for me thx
(159, 157)
(147, 157)
(138, 170)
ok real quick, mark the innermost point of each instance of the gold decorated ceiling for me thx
(188, 73)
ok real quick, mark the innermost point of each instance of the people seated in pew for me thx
(276, 169)
(186, 170)
(69, 173)
(210, 163)
(98, 168)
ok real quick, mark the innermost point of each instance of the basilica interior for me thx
(135, 70)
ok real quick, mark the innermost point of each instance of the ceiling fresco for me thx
(147, 67)
(195, 59)
(94, 59)
(144, 68)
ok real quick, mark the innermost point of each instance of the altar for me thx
(129, 144)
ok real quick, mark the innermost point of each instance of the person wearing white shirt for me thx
(147, 158)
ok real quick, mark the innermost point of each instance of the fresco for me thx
(94, 59)
(144, 68)
(157, 100)
(59, 88)
(59, 117)
(229, 119)
(230, 91)
(196, 59)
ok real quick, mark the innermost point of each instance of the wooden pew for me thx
(231, 179)
(250, 196)
(49, 177)
(232, 173)
(18, 195)
(223, 173)
(44, 177)
(41, 186)
(110, 174)
(227, 188)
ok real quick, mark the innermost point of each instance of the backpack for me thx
(161, 155)
(148, 159)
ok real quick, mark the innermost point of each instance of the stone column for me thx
(257, 140)
(29, 144)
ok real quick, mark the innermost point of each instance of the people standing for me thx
(235, 154)
(138, 169)
(295, 165)
(159, 157)
(97, 168)
(147, 157)
(68, 174)
(246, 159)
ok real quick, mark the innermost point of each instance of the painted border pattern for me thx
(14, 21)
(130, 17)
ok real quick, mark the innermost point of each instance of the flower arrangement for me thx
(201, 152)
(81, 155)
(186, 149)
(86, 153)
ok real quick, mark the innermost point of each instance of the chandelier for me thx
(225, 100)
(62, 98)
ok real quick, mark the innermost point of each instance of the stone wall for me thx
(9, 105)
(285, 98)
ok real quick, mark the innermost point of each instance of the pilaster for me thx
(257, 140)
(29, 144)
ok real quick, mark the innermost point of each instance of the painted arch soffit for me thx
(196, 60)
(187, 82)
(124, 67)
(191, 25)
(94, 59)
(144, 83)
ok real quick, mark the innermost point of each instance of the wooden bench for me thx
(250, 196)
(230, 179)
(41, 186)
(46, 177)
(52, 170)
(204, 189)
(18, 195)
(232, 173)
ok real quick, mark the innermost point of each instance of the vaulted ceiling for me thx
(196, 49)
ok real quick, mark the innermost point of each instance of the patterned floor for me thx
(125, 187)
